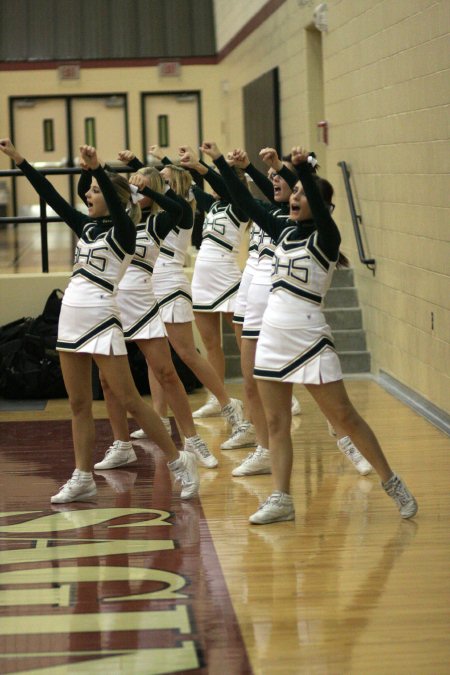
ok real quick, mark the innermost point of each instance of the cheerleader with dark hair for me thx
(295, 343)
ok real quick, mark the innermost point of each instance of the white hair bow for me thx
(136, 196)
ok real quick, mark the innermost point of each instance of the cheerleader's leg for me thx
(276, 398)
(77, 373)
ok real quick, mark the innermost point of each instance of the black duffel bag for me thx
(30, 370)
(29, 362)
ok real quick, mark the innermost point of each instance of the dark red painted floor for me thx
(129, 583)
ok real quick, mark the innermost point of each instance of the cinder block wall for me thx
(386, 89)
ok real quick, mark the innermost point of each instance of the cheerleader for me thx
(90, 327)
(143, 325)
(173, 292)
(217, 276)
(295, 343)
(277, 188)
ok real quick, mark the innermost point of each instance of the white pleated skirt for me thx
(258, 297)
(300, 355)
(173, 292)
(141, 319)
(92, 330)
(241, 301)
(215, 285)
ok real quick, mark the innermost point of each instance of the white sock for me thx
(128, 445)
(174, 463)
(84, 475)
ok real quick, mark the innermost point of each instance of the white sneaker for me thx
(397, 489)
(198, 447)
(119, 453)
(255, 463)
(279, 506)
(211, 408)
(347, 447)
(77, 489)
(140, 433)
(234, 412)
(243, 436)
(185, 470)
(295, 407)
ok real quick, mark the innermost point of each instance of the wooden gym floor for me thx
(139, 582)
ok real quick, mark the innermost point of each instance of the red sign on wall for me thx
(69, 71)
(169, 68)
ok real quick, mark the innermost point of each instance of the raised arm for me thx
(215, 180)
(84, 181)
(130, 159)
(171, 213)
(271, 159)
(187, 214)
(190, 160)
(329, 237)
(74, 219)
(248, 204)
(261, 181)
(123, 226)
(156, 151)
(165, 202)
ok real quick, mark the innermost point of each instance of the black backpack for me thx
(29, 362)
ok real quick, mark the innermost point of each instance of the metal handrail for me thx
(356, 219)
(43, 219)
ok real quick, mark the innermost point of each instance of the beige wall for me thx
(385, 94)
(386, 90)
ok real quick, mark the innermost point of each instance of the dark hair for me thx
(327, 192)
(122, 188)
(326, 189)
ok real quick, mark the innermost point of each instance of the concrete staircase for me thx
(345, 319)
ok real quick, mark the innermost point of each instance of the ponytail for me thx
(156, 183)
(123, 191)
(342, 261)
(180, 182)
(135, 213)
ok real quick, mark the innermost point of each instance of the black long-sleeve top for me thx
(169, 218)
(265, 184)
(181, 217)
(124, 230)
(187, 217)
(328, 233)
(220, 187)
